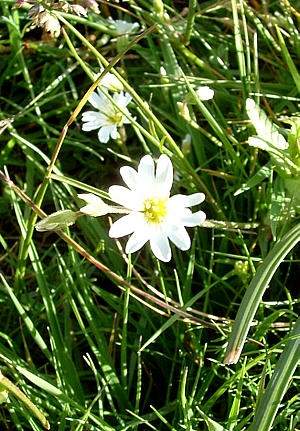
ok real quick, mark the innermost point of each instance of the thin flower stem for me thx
(232, 226)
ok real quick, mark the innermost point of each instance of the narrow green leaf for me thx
(211, 424)
(279, 383)
(289, 61)
(257, 178)
(255, 292)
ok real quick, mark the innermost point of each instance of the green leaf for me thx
(254, 294)
(256, 179)
(211, 424)
(279, 383)
(269, 139)
(265, 129)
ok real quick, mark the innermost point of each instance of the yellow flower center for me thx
(113, 116)
(155, 209)
(117, 118)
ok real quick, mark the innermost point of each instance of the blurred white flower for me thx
(123, 27)
(205, 93)
(153, 215)
(108, 117)
(42, 18)
(109, 81)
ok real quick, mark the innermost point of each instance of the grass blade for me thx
(255, 292)
(279, 383)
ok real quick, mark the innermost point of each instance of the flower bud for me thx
(56, 221)
(95, 207)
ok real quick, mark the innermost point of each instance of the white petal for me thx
(122, 99)
(96, 118)
(179, 236)
(125, 197)
(111, 82)
(186, 201)
(193, 219)
(91, 125)
(160, 245)
(137, 240)
(97, 100)
(114, 134)
(205, 93)
(164, 175)
(126, 120)
(125, 225)
(90, 116)
(146, 172)
(105, 132)
(130, 176)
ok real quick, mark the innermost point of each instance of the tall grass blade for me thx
(255, 292)
(271, 400)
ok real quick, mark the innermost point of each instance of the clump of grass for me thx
(99, 340)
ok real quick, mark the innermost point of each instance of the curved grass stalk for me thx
(279, 383)
(17, 393)
(255, 292)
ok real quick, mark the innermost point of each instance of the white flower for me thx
(205, 93)
(122, 27)
(110, 82)
(154, 216)
(108, 117)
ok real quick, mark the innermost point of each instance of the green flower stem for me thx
(17, 393)
(253, 296)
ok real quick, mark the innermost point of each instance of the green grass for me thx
(101, 341)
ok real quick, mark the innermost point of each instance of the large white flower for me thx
(108, 117)
(153, 215)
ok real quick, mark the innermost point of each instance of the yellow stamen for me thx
(155, 209)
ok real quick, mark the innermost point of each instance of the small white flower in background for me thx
(123, 27)
(205, 93)
(109, 81)
(108, 117)
(42, 18)
(92, 5)
(153, 215)
(78, 10)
